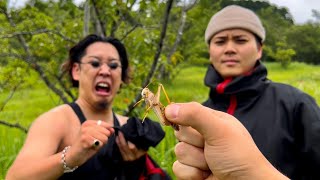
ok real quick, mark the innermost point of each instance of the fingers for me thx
(191, 155)
(95, 133)
(127, 149)
(185, 172)
(189, 135)
(209, 122)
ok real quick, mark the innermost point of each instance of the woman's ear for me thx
(76, 71)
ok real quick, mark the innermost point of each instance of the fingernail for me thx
(173, 111)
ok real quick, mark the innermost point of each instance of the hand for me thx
(228, 150)
(189, 150)
(83, 149)
(127, 149)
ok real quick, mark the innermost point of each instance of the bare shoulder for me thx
(55, 120)
(47, 133)
(57, 114)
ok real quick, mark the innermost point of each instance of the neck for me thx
(96, 111)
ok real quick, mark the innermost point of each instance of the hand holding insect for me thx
(153, 102)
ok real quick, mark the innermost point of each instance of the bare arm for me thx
(40, 157)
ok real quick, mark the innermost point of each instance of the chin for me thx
(102, 105)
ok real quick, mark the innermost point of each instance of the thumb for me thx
(208, 122)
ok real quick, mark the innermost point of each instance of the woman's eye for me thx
(95, 64)
(114, 65)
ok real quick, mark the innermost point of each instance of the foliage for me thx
(34, 42)
(283, 54)
(187, 86)
(303, 39)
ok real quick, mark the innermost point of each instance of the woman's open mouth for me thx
(103, 88)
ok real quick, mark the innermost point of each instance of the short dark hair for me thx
(79, 50)
(258, 40)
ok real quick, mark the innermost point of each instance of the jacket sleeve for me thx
(307, 128)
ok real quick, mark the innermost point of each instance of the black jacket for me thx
(283, 121)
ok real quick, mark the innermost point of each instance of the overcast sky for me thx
(300, 9)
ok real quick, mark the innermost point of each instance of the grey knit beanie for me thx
(234, 16)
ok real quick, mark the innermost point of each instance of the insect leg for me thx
(146, 113)
(164, 91)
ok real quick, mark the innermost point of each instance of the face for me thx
(99, 74)
(234, 52)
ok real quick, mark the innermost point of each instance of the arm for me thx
(307, 126)
(40, 157)
(228, 150)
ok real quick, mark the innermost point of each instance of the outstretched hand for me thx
(215, 145)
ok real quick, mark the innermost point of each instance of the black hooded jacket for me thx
(283, 121)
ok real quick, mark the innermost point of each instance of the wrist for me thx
(265, 170)
(66, 167)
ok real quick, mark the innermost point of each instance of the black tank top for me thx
(106, 164)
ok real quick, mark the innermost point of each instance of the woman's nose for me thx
(104, 69)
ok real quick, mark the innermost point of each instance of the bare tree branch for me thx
(124, 16)
(130, 31)
(65, 89)
(157, 55)
(9, 97)
(86, 19)
(28, 59)
(132, 4)
(100, 23)
(16, 125)
(39, 31)
(15, 55)
(185, 9)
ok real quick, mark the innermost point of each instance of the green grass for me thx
(27, 104)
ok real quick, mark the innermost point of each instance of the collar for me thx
(252, 82)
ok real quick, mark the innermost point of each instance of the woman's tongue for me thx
(103, 89)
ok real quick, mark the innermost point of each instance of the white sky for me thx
(300, 9)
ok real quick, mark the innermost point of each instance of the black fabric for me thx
(108, 162)
(283, 121)
(76, 108)
(143, 135)
(151, 171)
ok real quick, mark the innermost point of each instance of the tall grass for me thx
(27, 104)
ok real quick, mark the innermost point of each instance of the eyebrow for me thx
(109, 58)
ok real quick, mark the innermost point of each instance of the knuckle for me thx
(180, 150)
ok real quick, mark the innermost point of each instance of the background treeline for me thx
(162, 37)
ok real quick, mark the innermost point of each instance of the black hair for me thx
(258, 39)
(79, 50)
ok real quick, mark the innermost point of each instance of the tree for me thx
(303, 39)
(283, 54)
(316, 15)
(34, 38)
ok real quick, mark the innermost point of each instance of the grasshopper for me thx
(153, 102)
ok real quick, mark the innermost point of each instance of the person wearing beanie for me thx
(283, 121)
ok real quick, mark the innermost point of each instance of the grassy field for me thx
(27, 104)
